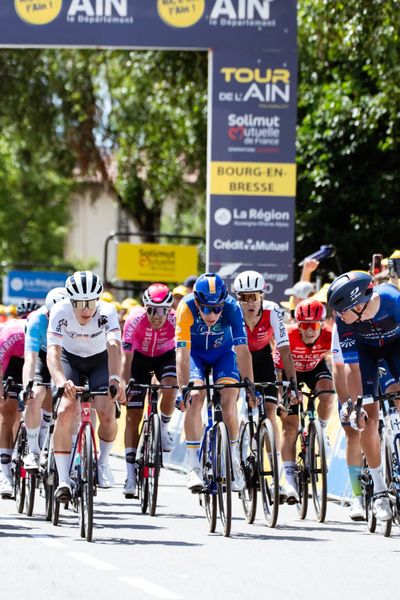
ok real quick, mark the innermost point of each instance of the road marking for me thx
(93, 562)
(151, 588)
(48, 541)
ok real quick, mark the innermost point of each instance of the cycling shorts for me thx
(42, 374)
(369, 360)
(94, 368)
(224, 367)
(264, 370)
(163, 366)
(311, 378)
(14, 370)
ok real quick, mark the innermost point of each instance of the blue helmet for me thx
(210, 289)
(350, 289)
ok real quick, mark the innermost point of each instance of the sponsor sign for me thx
(156, 262)
(34, 285)
(148, 24)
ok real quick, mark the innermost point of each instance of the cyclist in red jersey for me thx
(310, 342)
(265, 326)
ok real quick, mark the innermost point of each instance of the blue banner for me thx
(35, 285)
(192, 24)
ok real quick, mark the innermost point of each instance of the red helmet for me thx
(158, 294)
(310, 310)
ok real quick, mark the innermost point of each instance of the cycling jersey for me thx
(306, 357)
(12, 339)
(270, 325)
(139, 335)
(83, 340)
(36, 330)
(193, 333)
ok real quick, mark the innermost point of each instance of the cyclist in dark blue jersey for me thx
(210, 332)
(369, 326)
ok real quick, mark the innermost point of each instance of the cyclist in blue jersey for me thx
(38, 407)
(210, 332)
(369, 326)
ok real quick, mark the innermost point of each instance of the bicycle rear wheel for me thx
(248, 463)
(318, 470)
(154, 461)
(268, 473)
(143, 470)
(223, 465)
(302, 475)
(86, 484)
(209, 497)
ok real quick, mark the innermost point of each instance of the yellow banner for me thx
(253, 179)
(156, 262)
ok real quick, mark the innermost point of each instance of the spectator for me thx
(178, 294)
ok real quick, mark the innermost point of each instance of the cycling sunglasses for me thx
(159, 311)
(246, 297)
(206, 309)
(82, 304)
(310, 325)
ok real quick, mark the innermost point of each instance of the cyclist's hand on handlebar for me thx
(358, 418)
(117, 392)
(345, 411)
(253, 397)
(294, 394)
(183, 399)
(70, 389)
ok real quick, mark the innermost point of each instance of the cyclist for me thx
(369, 321)
(265, 325)
(209, 324)
(148, 347)
(310, 342)
(11, 360)
(38, 406)
(84, 340)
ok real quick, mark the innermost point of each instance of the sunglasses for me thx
(159, 311)
(310, 325)
(206, 309)
(82, 304)
(246, 297)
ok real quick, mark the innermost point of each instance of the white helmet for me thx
(249, 281)
(54, 296)
(84, 285)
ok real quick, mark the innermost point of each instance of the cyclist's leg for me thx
(33, 416)
(9, 422)
(290, 428)
(193, 425)
(166, 374)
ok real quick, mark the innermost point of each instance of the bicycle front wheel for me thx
(86, 484)
(210, 494)
(248, 463)
(268, 473)
(143, 470)
(318, 470)
(302, 475)
(30, 483)
(154, 461)
(19, 486)
(223, 472)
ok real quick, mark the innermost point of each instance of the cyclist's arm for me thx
(183, 366)
(287, 361)
(244, 361)
(126, 366)
(28, 370)
(114, 364)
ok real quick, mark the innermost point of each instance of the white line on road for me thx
(93, 562)
(42, 537)
(151, 588)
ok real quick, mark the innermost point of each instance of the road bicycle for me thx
(311, 464)
(215, 458)
(83, 466)
(149, 452)
(259, 463)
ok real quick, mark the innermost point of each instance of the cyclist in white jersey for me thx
(84, 340)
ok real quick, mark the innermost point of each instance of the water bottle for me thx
(325, 251)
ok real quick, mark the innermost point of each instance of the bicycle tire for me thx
(248, 463)
(209, 498)
(30, 490)
(223, 465)
(268, 473)
(302, 476)
(86, 484)
(318, 470)
(155, 456)
(143, 470)
(19, 488)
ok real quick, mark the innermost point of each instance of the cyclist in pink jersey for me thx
(12, 339)
(148, 343)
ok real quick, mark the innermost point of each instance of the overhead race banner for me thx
(252, 114)
(252, 170)
(156, 262)
(191, 24)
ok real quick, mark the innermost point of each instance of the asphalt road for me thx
(172, 555)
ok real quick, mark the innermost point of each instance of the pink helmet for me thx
(158, 294)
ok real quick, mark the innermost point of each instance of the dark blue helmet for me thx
(350, 289)
(210, 289)
(25, 307)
